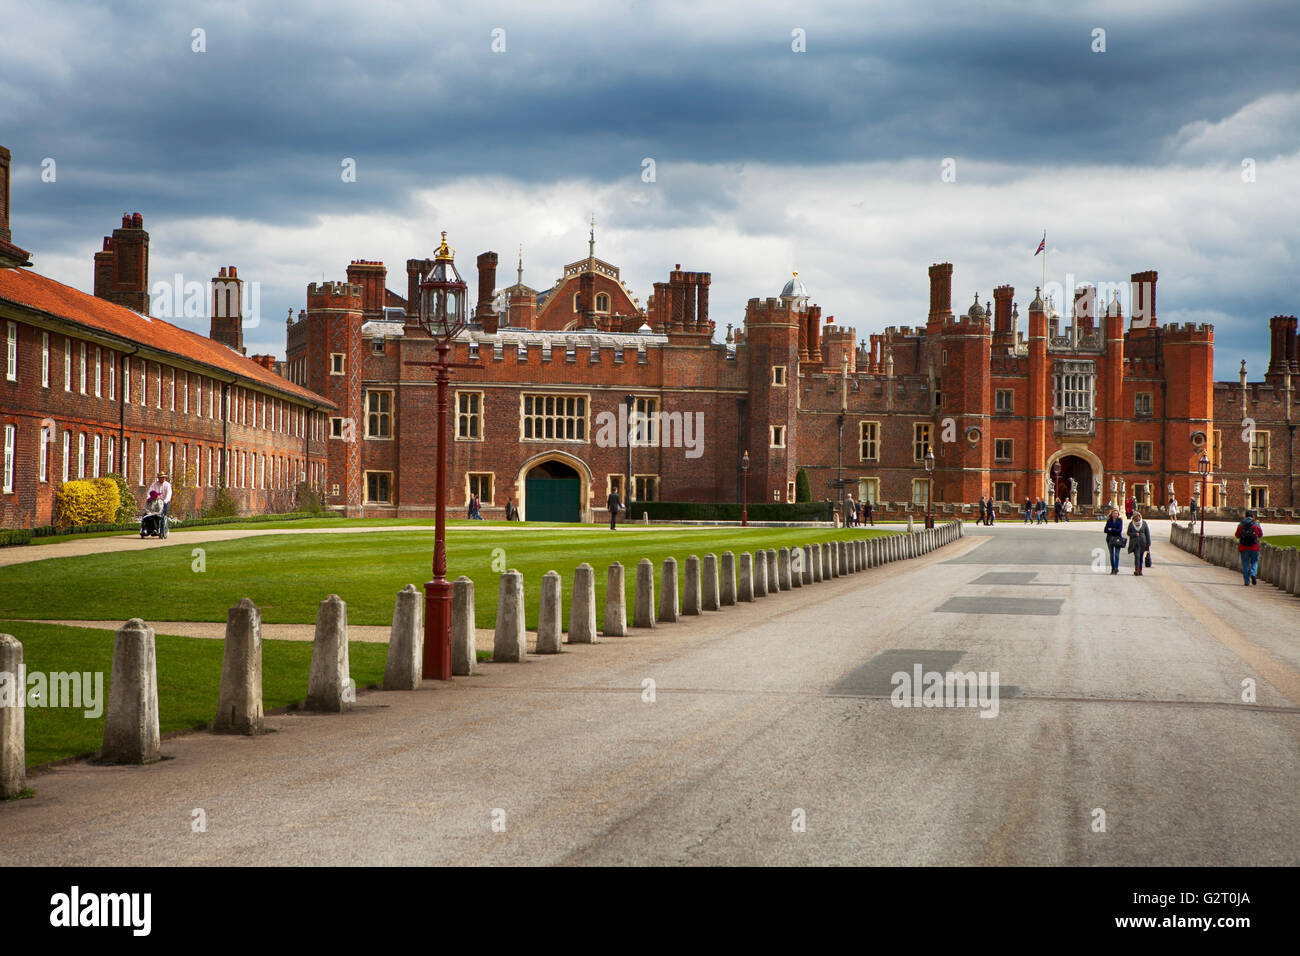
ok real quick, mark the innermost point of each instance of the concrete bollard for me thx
(550, 626)
(783, 581)
(13, 733)
(131, 724)
(668, 591)
(615, 624)
(464, 648)
(773, 569)
(728, 593)
(745, 590)
(239, 699)
(816, 562)
(582, 606)
(1294, 587)
(760, 574)
(910, 526)
(643, 610)
(807, 574)
(710, 601)
(329, 686)
(691, 601)
(510, 642)
(404, 668)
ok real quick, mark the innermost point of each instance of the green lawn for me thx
(189, 675)
(288, 575)
(1284, 541)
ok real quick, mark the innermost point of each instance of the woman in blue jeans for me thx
(1114, 531)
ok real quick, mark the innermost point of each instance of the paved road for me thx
(1117, 694)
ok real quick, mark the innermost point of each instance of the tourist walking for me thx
(1029, 511)
(1067, 507)
(850, 512)
(1173, 509)
(1139, 542)
(613, 502)
(1114, 532)
(1249, 534)
(1042, 511)
(983, 506)
(868, 512)
(1130, 506)
(1056, 511)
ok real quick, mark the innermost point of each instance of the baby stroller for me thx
(154, 523)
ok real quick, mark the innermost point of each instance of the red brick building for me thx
(93, 385)
(550, 380)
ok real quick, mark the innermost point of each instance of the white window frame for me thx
(475, 416)
(492, 486)
(99, 372)
(366, 487)
(778, 375)
(158, 390)
(112, 375)
(45, 360)
(653, 479)
(97, 445)
(580, 417)
(83, 368)
(365, 404)
(11, 352)
(67, 454)
(173, 387)
(919, 492)
(44, 464)
(81, 456)
(339, 367)
(776, 434)
(143, 443)
(869, 490)
(11, 433)
(67, 364)
(926, 443)
(1260, 448)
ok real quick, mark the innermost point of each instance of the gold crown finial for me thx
(445, 251)
(796, 273)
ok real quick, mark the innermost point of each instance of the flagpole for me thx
(1044, 262)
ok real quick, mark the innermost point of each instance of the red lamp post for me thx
(443, 316)
(1203, 467)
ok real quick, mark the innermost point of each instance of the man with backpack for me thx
(1249, 534)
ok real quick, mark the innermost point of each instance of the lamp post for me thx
(929, 488)
(1203, 469)
(443, 317)
(1056, 490)
(744, 497)
(839, 472)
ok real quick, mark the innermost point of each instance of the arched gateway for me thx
(554, 488)
(1085, 468)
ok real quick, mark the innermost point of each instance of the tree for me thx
(802, 486)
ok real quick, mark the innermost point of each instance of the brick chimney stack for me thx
(227, 323)
(1004, 333)
(122, 266)
(940, 291)
(1144, 301)
(487, 284)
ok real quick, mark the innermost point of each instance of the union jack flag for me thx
(1042, 245)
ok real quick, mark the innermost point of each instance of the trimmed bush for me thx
(730, 511)
(51, 531)
(802, 487)
(223, 506)
(126, 507)
(10, 536)
(307, 500)
(79, 503)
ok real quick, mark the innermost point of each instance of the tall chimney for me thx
(1144, 299)
(487, 284)
(940, 291)
(703, 280)
(227, 323)
(122, 266)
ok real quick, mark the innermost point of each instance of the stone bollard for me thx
(464, 648)
(816, 562)
(239, 699)
(645, 517)
(329, 685)
(404, 668)
(807, 574)
(668, 591)
(582, 606)
(850, 565)
(710, 601)
(691, 603)
(615, 602)
(728, 593)
(910, 526)
(510, 642)
(643, 610)
(760, 574)
(773, 567)
(1294, 587)
(550, 627)
(131, 723)
(745, 590)
(13, 733)
(783, 581)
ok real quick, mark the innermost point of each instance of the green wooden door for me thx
(552, 499)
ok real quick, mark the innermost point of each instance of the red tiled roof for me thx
(25, 288)
(12, 254)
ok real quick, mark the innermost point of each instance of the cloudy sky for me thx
(1176, 148)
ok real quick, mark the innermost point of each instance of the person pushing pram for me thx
(154, 522)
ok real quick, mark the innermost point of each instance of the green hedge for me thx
(10, 536)
(730, 511)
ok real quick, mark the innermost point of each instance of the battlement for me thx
(367, 265)
(334, 295)
(1189, 332)
(839, 332)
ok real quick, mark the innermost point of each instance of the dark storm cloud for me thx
(255, 128)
